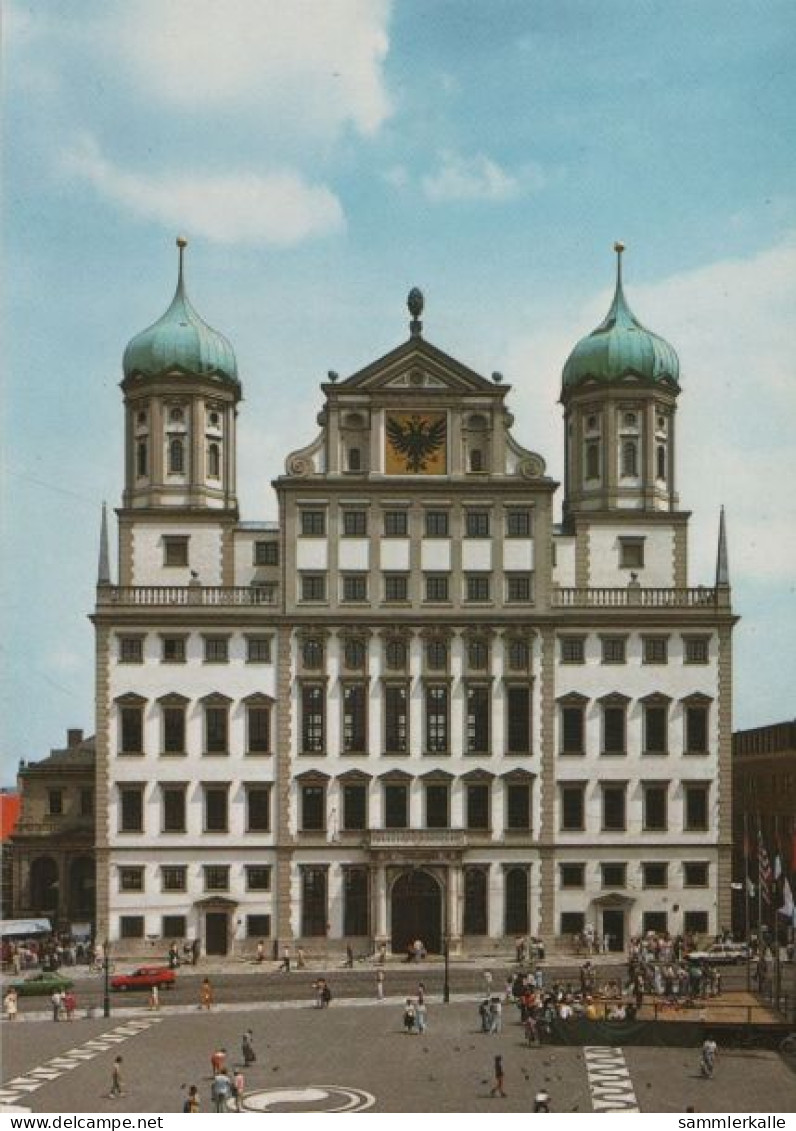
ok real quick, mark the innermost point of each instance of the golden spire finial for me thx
(182, 243)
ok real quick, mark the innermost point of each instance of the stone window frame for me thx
(354, 779)
(317, 730)
(176, 551)
(259, 701)
(571, 701)
(403, 684)
(360, 686)
(477, 654)
(255, 641)
(436, 580)
(132, 926)
(578, 883)
(513, 685)
(514, 923)
(697, 700)
(312, 521)
(482, 780)
(173, 786)
(613, 701)
(249, 789)
(313, 587)
(215, 647)
(431, 519)
(131, 701)
(168, 928)
(215, 701)
(696, 864)
(356, 900)
(437, 779)
(395, 522)
(219, 872)
(657, 700)
(354, 522)
(652, 641)
(55, 802)
(606, 883)
(354, 587)
(249, 869)
(702, 787)
(514, 578)
(473, 582)
(265, 552)
(394, 661)
(482, 685)
(518, 512)
(477, 522)
(580, 786)
(313, 780)
(174, 638)
(690, 640)
(398, 579)
(217, 787)
(132, 643)
(645, 881)
(475, 915)
(311, 654)
(130, 787)
(173, 701)
(518, 663)
(179, 874)
(399, 780)
(315, 925)
(137, 870)
(433, 730)
(613, 648)
(632, 551)
(433, 645)
(605, 787)
(512, 780)
(572, 648)
(658, 784)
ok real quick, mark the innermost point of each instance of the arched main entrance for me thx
(81, 888)
(416, 906)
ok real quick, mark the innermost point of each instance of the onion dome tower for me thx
(619, 391)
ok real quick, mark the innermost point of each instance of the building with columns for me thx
(418, 706)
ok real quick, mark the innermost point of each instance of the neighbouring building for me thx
(52, 857)
(417, 706)
(9, 814)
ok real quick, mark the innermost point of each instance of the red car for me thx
(144, 978)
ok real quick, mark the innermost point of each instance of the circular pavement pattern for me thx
(309, 1097)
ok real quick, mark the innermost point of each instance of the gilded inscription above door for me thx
(416, 443)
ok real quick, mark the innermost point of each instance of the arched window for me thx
(629, 458)
(593, 461)
(213, 461)
(661, 461)
(176, 457)
(354, 654)
(312, 654)
(354, 459)
(437, 655)
(141, 460)
(476, 460)
(396, 655)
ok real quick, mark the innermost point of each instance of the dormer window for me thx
(476, 460)
(354, 459)
(629, 458)
(213, 461)
(660, 459)
(593, 460)
(176, 457)
(141, 459)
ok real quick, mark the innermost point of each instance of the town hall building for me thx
(422, 705)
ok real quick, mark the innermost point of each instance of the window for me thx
(55, 802)
(572, 875)
(478, 587)
(518, 807)
(355, 524)
(593, 460)
(517, 921)
(573, 808)
(476, 524)
(312, 655)
(695, 922)
(266, 553)
(258, 877)
(613, 875)
(173, 808)
(356, 902)
(396, 720)
(354, 459)
(355, 806)
(437, 806)
(477, 727)
(216, 806)
(355, 587)
(614, 728)
(216, 877)
(355, 726)
(476, 460)
(131, 809)
(518, 524)
(312, 718)
(173, 878)
(313, 523)
(131, 879)
(395, 655)
(396, 524)
(396, 807)
(396, 587)
(696, 649)
(572, 922)
(313, 808)
(131, 926)
(313, 586)
(87, 803)
(132, 729)
(437, 587)
(696, 874)
(696, 807)
(258, 926)
(656, 797)
(572, 649)
(437, 524)
(176, 457)
(258, 729)
(614, 805)
(437, 720)
(696, 728)
(572, 728)
(478, 807)
(519, 656)
(173, 728)
(175, 550)
(657, 921)
(436, 655)
(131, 649)
(355, 654)
(314, 913)
(656, 728)
(476, 903)
(174, 926)
(477, 655)
(660, 453)
(629, 458)
(141, 461)
(518, 587)
(258, 649)
(173, 649)
(614, 649)
(655, 649)
(216, 728)
(518, 722)
(631, 553)
(216, 649)
(654, 875)
(258, 809)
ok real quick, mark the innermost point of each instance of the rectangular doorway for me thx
(614, 928)
(216, 932)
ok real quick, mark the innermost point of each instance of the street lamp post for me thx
(446, 988)
(106, 997)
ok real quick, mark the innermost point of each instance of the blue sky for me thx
(324, 157)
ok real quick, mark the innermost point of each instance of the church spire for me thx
(104, 563)
(722, 561)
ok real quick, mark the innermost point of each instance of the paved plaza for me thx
(355, 1056)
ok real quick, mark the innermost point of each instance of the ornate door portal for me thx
(416, 906)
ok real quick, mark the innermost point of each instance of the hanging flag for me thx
(777, 867)
(750, 888)
(763, 868)
(788, 908)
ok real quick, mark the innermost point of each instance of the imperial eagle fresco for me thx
(416, 443)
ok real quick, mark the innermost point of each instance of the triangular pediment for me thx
(417, 366)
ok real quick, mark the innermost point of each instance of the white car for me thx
(721, 954)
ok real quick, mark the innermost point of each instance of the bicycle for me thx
(787, 1046)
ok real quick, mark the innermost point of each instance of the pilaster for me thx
(547, 783)
(284, 839)
(102, 698)
(724, 892)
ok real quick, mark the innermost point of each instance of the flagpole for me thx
(775, 918)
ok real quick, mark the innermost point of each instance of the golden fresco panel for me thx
(416, 443)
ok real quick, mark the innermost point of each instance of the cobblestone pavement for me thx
(321, 1057)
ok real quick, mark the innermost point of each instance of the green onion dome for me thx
(621, 347)
(181, 340)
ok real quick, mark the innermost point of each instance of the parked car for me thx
(722, 954)
(42, 983)
(144, 978)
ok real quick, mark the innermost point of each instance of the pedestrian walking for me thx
(349, 957)
(495, 1015)
(300, 960)
(116, 1079)
(541, 1101)
(218, 1061)
(285, 965)
(11, 1004)
(421, 1015)
(247, 1048)
(707, 1062)
(191, 1103)
(238, 1087)
(497, 1087)
(206, 995)
(488, 982)
(154, 998)
(57, 1001)
(220, 1091)
(70, 1005)
(409, 1016)
(260, 957)
(380, 985)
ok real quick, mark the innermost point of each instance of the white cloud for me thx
(471, 178)
(317, 64)
(277, 208)
(731, 323)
